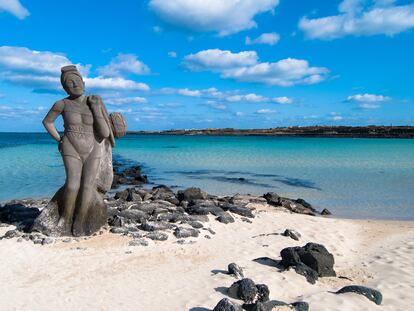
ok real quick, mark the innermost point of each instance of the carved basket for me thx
(119, 126)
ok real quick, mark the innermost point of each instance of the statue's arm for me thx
(100, 125)
(48, 121)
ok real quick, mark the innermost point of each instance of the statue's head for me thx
(72, 81)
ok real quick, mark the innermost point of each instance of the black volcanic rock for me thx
(293, 234)
(310, 274)
(263, 292)
(275, 305)
(326, 212)
(127, 175)
(157, 236)
(191, 194)
(242, 211)
(181, 233)
(298, 206)
(235, 270)
(371, 294)
(272, 198)
(225, 218)
(227, 305)
(313, 256)
(244, 289)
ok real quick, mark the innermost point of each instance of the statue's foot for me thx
(78, 228)
(63, 227)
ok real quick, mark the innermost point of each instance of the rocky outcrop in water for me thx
(299, 206)
(127, 176)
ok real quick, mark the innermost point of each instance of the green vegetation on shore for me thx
(301, 131)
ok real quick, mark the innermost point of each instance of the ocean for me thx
(354, 178)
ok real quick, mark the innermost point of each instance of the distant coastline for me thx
(298, 131)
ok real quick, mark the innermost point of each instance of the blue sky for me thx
(212, 63)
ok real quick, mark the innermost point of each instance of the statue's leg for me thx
(87, 192)
(73, 168)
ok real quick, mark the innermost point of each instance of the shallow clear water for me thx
(371, 178)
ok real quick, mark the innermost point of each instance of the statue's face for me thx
(74, 85)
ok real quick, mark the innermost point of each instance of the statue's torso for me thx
(79, 139)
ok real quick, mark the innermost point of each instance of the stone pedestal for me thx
(47, 221)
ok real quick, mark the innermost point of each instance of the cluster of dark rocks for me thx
(152, 213)
(256, 297)
(146, 213)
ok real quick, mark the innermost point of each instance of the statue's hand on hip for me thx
(60, 143)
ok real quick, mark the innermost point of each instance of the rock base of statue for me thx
(96, 217)
(48, 221)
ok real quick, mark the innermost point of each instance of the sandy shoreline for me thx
(104, 273)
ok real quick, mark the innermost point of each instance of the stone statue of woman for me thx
(86, 149)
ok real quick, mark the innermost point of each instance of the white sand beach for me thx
(104, 273)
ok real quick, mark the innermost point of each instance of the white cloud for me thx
(126, 100)
(22, 59)
(172, 54)
(265, 38)
(282, 100)
(380, 17)
(226, 96)
(286, 72)
(189, 93)
(244, 66)
(30, 80)
(41, 69)
(368, 98)
(215, 59)
(239, 113)
(265, 111)
(14, 7)
(8, 112)
(123, 64)
(223, 17)
(118, 84)
(247, 98)
(368, 101)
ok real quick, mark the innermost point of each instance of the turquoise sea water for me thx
(366, 178)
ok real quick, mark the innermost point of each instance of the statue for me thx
(86, 146)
